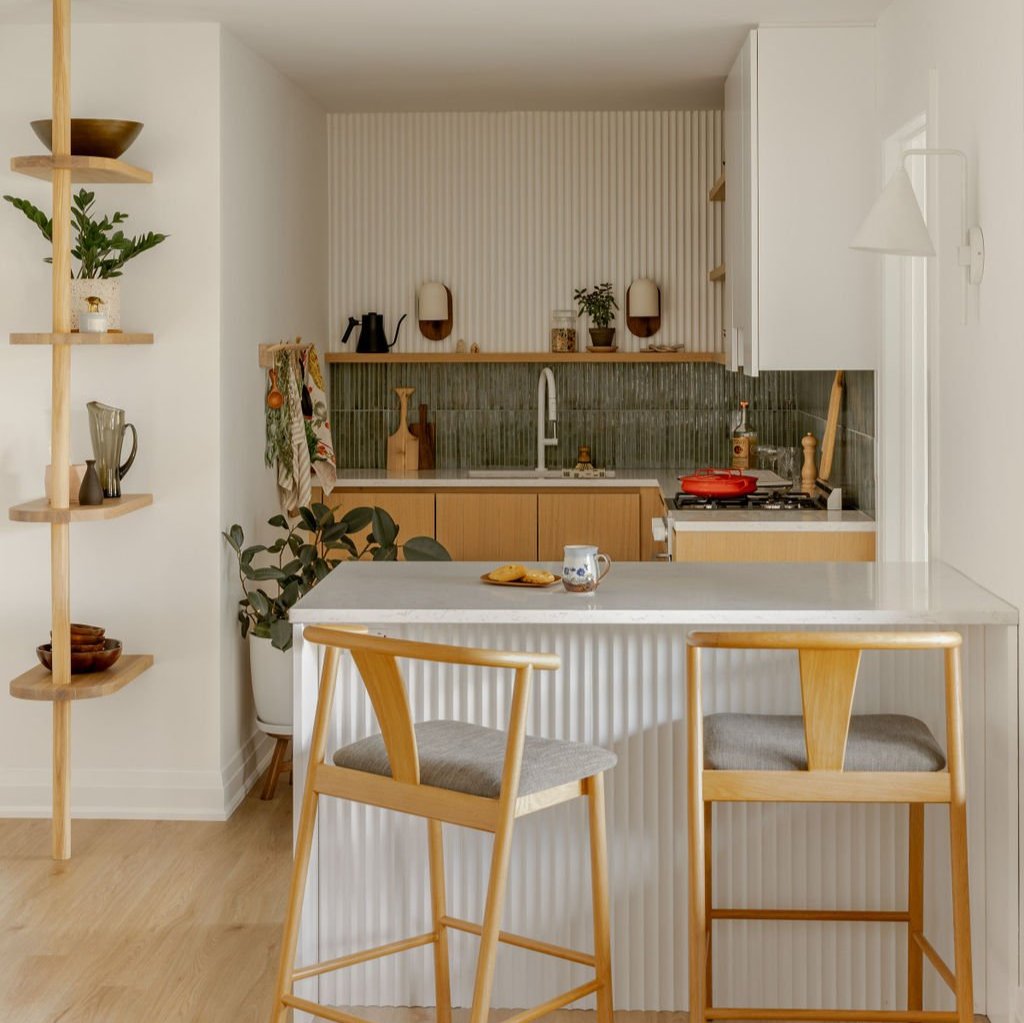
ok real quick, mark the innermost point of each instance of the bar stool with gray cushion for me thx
(828, 754)
(456, 773)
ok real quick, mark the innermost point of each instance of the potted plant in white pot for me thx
(290, 567)
(599, 304)
(101, 248)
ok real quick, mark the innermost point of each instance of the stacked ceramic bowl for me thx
(90, 650)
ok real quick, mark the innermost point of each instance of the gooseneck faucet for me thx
(546, 381)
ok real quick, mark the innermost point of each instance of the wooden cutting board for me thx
(403, 447)
(424, 432)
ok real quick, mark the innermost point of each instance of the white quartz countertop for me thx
(642, 593)
(742, 520)
(432, 479)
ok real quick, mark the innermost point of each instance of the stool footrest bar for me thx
(877, 915)
(321, 1011)
(392, 948)
(544, 948)
(567, 998)
(936, 960)
(835, 1015)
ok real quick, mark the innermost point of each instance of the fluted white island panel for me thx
(622, 685)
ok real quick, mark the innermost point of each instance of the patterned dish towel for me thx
(299, 444)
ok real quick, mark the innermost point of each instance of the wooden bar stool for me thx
(829, 755)
(455, 773)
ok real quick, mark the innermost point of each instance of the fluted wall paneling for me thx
(513, 211)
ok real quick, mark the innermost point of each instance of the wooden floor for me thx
(160, 922)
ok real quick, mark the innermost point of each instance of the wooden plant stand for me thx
(58, 687)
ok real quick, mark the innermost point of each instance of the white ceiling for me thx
(370, 55)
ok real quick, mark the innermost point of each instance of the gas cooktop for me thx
(760, 500)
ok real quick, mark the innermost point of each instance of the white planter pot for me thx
(107, 289)
(271, 673)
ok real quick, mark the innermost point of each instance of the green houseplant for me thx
(304, 554)
(599, 304)
(100, 246)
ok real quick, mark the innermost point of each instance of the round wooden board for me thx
(518, 582)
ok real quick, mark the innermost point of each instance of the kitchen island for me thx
(622, 685)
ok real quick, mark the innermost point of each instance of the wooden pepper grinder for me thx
(809, 473)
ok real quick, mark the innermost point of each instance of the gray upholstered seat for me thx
(775, 742)
(468, 758)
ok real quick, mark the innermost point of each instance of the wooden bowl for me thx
(93, 136)
(83, 663)
(86, 633)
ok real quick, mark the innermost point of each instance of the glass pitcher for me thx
(107, 428)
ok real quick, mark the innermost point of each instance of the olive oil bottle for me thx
(744, 441)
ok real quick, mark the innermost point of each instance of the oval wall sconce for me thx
(434, 311)
(643, 307)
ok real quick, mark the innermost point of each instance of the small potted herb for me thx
(304, 552)
(101, 248)
(599, 304)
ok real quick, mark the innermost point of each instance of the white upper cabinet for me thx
(801, 163)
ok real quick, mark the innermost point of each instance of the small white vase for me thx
(108, 290)
(271, 673)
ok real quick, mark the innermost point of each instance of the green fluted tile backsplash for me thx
(643, 416)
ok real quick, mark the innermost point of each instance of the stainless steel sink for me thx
(514, 474)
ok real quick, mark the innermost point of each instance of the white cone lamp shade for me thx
(895, 224)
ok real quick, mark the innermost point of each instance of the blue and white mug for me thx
(582, 570)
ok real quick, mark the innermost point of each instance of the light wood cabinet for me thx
(498, 527)
(802, 172)
(762, 546)
(413, 511)
(610, 521)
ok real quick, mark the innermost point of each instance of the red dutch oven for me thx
(718, 483)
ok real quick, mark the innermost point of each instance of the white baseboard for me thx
(118, 794)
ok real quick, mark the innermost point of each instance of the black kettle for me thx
(372, 338)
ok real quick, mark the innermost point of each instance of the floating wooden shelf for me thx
(37, 682)
(85, 170)
(40, 510)
(718, 274)
(76, 338)
(552, 357)
(717, 193)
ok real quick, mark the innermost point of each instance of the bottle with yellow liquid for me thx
(744, 441)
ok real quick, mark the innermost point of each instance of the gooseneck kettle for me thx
(373, 339)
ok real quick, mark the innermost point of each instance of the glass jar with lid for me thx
(563, 330)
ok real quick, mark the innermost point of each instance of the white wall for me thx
(175, 742)
(514, 211)
(273, 148)
(976, 51)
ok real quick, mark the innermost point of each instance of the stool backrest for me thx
(829, 664)
(376, 658)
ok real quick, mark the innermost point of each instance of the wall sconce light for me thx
(643, 308)
(435, 311)
(895, 226)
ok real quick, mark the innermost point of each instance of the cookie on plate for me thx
(507, 573)
(538, 577)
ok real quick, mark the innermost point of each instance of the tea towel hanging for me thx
(299, 446)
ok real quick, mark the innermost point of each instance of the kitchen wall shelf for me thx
(37, 683)
(547, 357)
(85, 170)
(718, 274)
(717, 193)
(40, 510)
(76, 338)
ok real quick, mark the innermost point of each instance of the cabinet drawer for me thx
(610, 521)
(823, 546)
(488, 527)
(412, 511)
